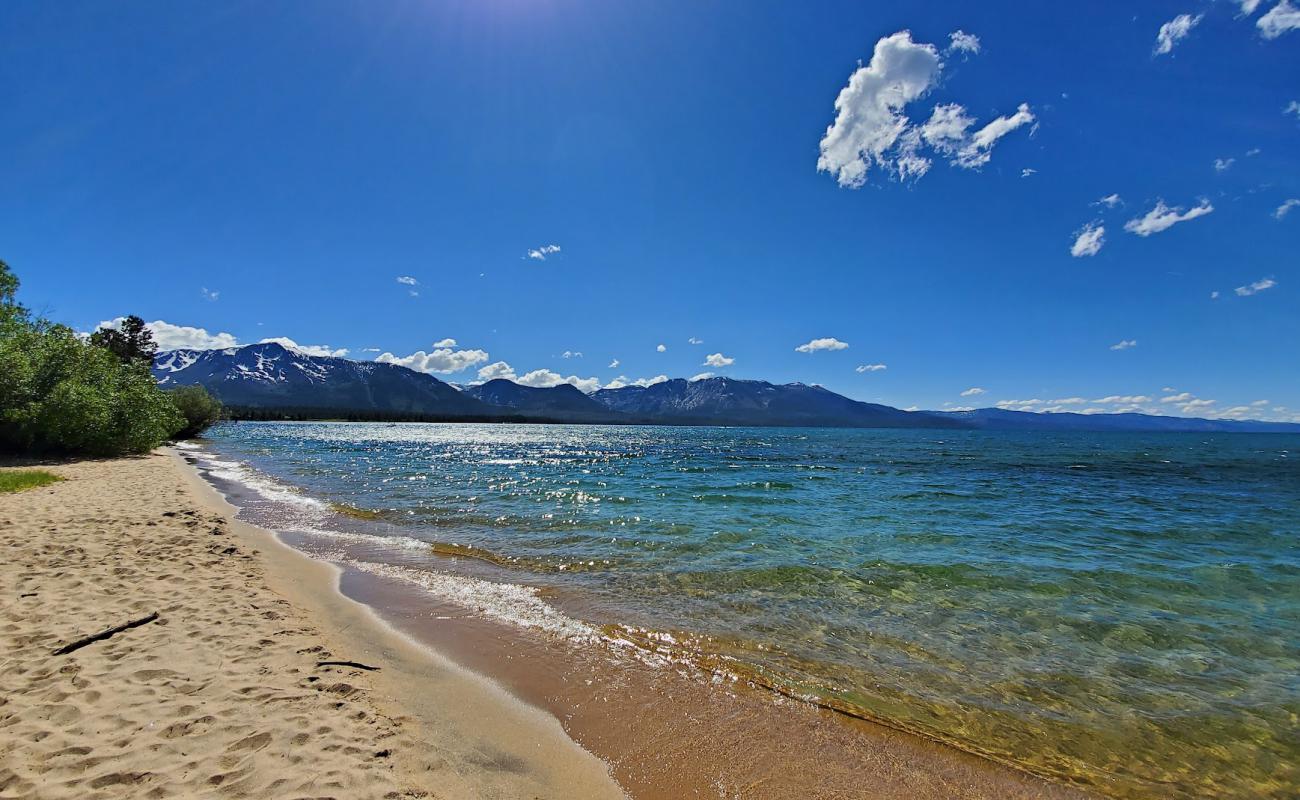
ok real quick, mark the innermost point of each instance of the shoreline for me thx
(224, 694)
(667, 734)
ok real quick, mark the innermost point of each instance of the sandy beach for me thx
(228, 691)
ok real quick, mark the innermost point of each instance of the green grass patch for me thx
(15, 480)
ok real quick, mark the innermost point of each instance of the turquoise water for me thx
(1120, 610)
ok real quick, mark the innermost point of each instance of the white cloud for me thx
(571, 354)
(718, 360)
(977, 151)
(443, 360)
(701, 376)
(1109, 201)
(661, 349)
(1181, 397)
(829, 343)
(413, 293)
(1027, 171)
(1127, 399)
(871, 127)
(179, 337)
(540, 253)
(1088, 240)
(694, 340)
(622, 380)
(1223, 164)
(1019, 405)
(1174, 31)
(1162, 218)
(1260, 403)
(870, 368)
(1256, 287)
(545, 379)
(1254, 151)
(445, 343)
(497, 369)
(407, 280)
(1124, 344)
(1248, 6)
(963, 42)
(1214, 295)
(1193, 405)
(613, 364)
(1280, 18)
(1292, 107)
(869, 110)
(323, 350)
(211, 296)
(1285, 208)
(973, 391)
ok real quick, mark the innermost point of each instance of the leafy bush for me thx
(199, 408)
(60, 393)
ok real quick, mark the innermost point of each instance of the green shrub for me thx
(60, 393)
(199, 408)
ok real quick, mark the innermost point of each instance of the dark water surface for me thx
(1119, 610)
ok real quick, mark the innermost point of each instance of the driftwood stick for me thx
(355, 664)
(102, 635)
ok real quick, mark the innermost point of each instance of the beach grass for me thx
(19, 479)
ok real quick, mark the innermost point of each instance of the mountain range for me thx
(271, 376)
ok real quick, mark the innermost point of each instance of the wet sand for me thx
(224, 693)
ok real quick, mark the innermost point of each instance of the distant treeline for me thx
(313, 414)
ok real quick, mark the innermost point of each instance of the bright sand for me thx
(222, 695)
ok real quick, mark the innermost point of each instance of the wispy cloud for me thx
(1285, 208)
(869, 368)
(1280, 18)
(571, 354)
(1088, 240)
(1162, 218)
(1109, 201)
(829, 343)
(1124, 344)
(613, 364)
(1256, 287)
(974, 391)
(407, 280)
(1027, 171)
(210, 295)
(1223, 164)
(694, 340)
(540, 253)
(1174, 31)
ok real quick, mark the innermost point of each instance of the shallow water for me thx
(1118, 610)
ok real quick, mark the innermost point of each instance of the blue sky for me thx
(273, 171)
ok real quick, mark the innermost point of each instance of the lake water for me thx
(1117, 610)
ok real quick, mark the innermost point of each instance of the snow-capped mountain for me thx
(271, 375)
